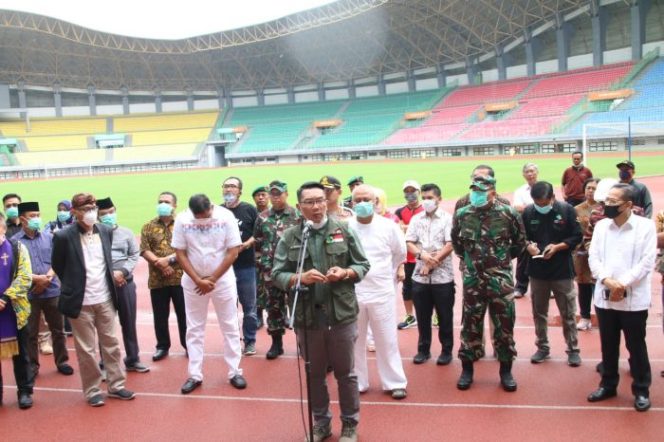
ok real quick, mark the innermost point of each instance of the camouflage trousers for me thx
(262, 292)
(476, 300)
(277, 313)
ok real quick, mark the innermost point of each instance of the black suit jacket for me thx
(68, 263)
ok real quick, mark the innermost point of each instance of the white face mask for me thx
(90, 218)
(430, 206)
(318, 226)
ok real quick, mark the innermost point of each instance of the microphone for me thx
(308, 224)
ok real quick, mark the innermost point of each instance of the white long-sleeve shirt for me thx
(626, 254)
(385, 247)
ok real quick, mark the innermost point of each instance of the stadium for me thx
(390, 89)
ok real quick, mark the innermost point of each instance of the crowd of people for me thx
(347, 258)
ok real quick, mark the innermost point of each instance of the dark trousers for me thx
(24, 380)
(585, 299)
(407, 286)
(522, 261)
(55, 321)
(161, 308)
(574, 202)
(426, 297)
(127, 316)
(633, 326)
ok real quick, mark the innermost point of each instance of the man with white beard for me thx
(385, 247)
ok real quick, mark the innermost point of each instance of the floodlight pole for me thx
(584, 147)
(629, 138)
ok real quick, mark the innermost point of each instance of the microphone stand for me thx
(297, 289)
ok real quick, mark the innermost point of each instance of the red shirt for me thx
(573, 180)
(405, 214)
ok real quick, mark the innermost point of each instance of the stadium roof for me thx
(347, 39)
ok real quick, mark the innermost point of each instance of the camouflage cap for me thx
(278, 185)
(359, 179)
(483, 183)
(330, 182)
(259, 189)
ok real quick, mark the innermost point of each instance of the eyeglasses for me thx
(312, 203)
(86, 209)
(231, 186)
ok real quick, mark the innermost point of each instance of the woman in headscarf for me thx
(63, 219)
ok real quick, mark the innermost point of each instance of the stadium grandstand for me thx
(350, 80)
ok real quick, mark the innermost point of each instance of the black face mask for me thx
(612, 211)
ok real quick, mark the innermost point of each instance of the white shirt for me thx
(385, 248)
(206, 240)
(96, 285)
(431, 233)
(627, 254)
(522, 196)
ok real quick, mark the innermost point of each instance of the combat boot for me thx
(506, 379)
(466, 377)
(277, 347)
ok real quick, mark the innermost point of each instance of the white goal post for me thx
(623, 131)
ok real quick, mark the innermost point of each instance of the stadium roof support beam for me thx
(530, 51)
(638, 11)
(501, 63)
(92, 100)
(57, 99)
(562, 42)
(598, 22)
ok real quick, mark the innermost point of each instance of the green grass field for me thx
(135, 195)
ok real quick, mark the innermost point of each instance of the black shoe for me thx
(466, 378)
(444, 359)
(159, 354)
(65, 369)
(122, 394)
(239, 382)
(276, 349)
(96, 401)
(539, 356)
(190, 385)
(506, 379)
(24, 401)
(421, 358)
(641, 403)
(601, 394)
(574, 360)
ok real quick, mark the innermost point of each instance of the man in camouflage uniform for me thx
(487, 235)
(269, 228)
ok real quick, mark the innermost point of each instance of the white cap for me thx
(603, 187)
(411, 183)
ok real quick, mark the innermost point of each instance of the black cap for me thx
(28, 207)
(105, 203)
(625, 163)
(330, 182)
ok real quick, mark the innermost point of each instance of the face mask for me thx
(164, 209)
(543, 209)
(624, 175)
(35, 224)
(109, 219)
(430, 206)
(12, 212)
(229, 198)
(364, 209)
(411, 197)
(90, 218)
(63, 216)
(320, 225)
(612, 211)
(479, 198)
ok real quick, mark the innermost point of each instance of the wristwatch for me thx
(172, 260)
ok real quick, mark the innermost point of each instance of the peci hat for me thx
(278, 185)
(28, 207)
(105, 203)
(359, 179)
(603, 187)
(330, 182)
(411, 183)
(483, 183)
(626, 163)
(259, 189)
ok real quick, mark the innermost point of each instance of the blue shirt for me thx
(39, 248)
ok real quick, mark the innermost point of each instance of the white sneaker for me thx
(584, 324)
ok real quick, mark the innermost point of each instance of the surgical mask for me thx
(35, 224)
(90, 218)
(109, 219)
(229, 198)
(624, 175)
(320, 225)
(11, 212)
(430, 206)
(479, 198)
(63, 216)
(411, 196)
(164, 209)
(543, 209)
(364, 209)
(612, 211)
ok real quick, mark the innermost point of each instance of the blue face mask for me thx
(109, 219)
(229, 198)
(479, 198)
(164, 209)
(625, 175)
(35, 224)
(543, 209)
(63, 216)
(364, 209)
(12, 212)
